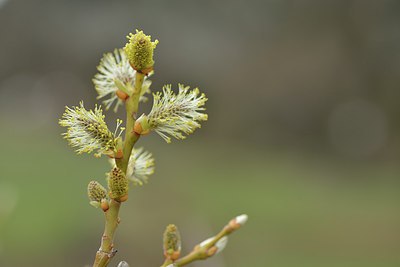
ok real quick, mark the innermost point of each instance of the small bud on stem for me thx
(122, 95)
(236, 223)
(217, 248)
(142, 126)
(172, 243)
(104, 205)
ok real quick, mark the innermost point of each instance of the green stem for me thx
(192, 256)
(132, 105)
(106, 251)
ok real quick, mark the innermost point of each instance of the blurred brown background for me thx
(303, 132)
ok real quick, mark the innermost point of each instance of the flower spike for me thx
(88, 131)
(118, 185)
(139, 50)
(115, 79)
(96, 193)
(141, 166)
(177, 114)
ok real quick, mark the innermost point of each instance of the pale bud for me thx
(242, 219)
(123, 264)
(220, 245)
(238, 222)
(206, 242)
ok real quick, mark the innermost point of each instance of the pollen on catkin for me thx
(139, 51)
(87, 130)
(117, 185)
(178, 114)
(115, 80)
(141, 166)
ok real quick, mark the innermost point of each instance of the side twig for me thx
(209, 247)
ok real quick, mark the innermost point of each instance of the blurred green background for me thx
(303, 132)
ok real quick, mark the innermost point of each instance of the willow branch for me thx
(107, 251)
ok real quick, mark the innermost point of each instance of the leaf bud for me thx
(121, 95)
(142, 125)
(104, 205)
(237, 222)
(217, 248)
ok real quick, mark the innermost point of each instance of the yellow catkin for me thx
(118, 185)
(139, 51)
(172, 242)
(96, 192)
